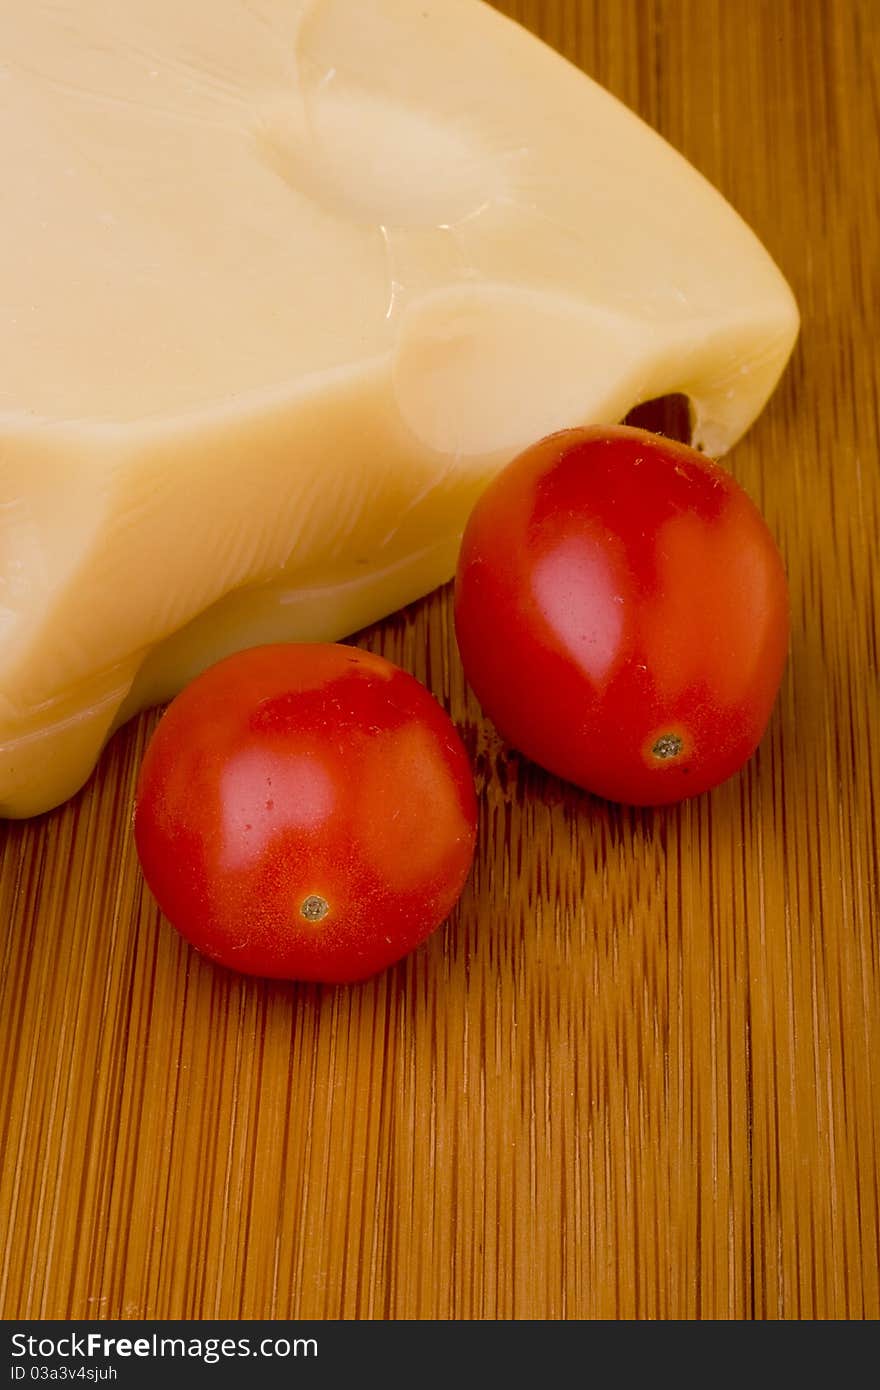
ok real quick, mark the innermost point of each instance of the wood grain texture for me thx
(637, 1074)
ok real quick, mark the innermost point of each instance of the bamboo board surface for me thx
(637, 1074)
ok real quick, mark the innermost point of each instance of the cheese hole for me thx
(373, 160)
(670, 415)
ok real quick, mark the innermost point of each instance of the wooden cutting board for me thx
(637, 1073)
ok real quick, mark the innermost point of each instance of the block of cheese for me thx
(282, 284)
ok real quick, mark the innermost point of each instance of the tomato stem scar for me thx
(668, 746)
(314, 907)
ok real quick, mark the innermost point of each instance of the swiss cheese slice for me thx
(282, 284)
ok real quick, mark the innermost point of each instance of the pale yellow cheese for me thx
(282, 284)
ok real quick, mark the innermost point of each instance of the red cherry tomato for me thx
(622, 614)
(305, 812)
